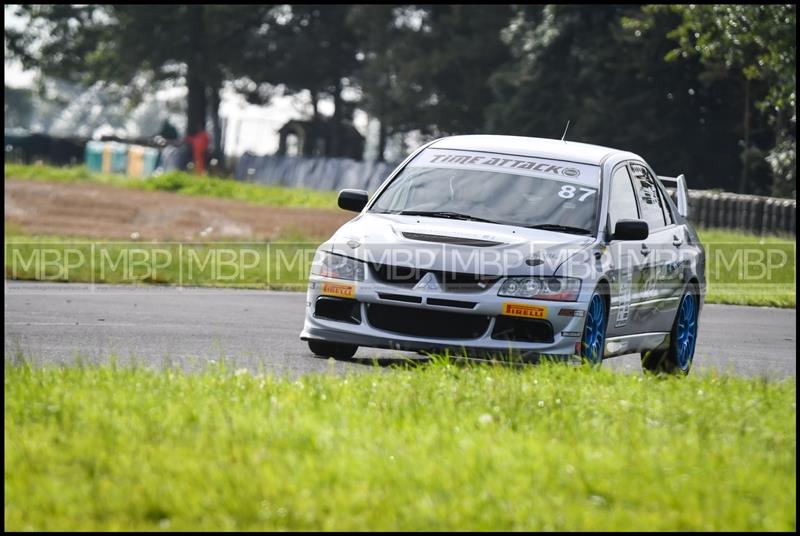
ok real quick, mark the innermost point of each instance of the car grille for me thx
(425, 322)
(399, 297)
(405, 276)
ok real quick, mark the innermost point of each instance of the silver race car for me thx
(503, 246)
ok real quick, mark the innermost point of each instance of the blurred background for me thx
(327, 96)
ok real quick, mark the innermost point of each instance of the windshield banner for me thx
(517, 165)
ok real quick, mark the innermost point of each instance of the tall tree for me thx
(756, 43)
(302, 48)
(426, 67)
(390, 45)
(583, 65)
(133, 47)
(464, 48)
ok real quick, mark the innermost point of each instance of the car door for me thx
(658, 301)
(629, 269)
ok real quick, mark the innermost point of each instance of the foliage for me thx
(134, 46)
(755, 43)
(302, 47)
(584, 66)
(676, 84)
(757, 40)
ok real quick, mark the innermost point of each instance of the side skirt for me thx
(630, 344)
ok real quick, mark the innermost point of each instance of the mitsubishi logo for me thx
(428, 282)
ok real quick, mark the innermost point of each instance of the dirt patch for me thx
(101, 211)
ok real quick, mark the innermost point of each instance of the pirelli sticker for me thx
(524, 310)
(339, 290)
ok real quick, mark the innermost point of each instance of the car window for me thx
(506, 189)
(623, 201)
(667, 210)
(649, 200)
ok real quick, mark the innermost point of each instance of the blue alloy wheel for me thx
(686, 332)
(594, 331)
(678, 357)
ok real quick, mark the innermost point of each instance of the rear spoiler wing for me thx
(681, 193)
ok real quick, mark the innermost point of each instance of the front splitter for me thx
(464, 350)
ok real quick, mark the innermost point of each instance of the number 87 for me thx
(568, 192)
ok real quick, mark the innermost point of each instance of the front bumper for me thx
(566, 330)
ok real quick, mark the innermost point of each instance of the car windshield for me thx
(487, 188)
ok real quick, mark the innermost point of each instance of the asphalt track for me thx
(258, 330)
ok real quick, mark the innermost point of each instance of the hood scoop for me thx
(457, 240)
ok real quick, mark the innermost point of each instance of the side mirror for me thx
(631, 230)
(354, 200)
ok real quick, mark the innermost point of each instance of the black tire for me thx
(667, 361)
(332, 349)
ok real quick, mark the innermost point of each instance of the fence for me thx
(317, 173)
(29, 148)
(748, 213)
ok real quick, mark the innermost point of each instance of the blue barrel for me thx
(94, 156)
(150, 157)
(119, 158)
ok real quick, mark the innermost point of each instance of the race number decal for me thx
(569, 191)
(524, 310)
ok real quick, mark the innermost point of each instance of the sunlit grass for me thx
(282, 264)
(182, 183)
(745, 269)
(438, 447)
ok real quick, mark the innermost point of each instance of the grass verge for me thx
(439, 447)
(744, 269)
(182, 183)
(267, 265)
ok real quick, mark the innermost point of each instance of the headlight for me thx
(337, 266)
(543, 288)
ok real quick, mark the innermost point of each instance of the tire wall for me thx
(316, 173)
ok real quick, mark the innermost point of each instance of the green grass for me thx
(744, 269)
(268, 265)
(439, 447)
(182, 183)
